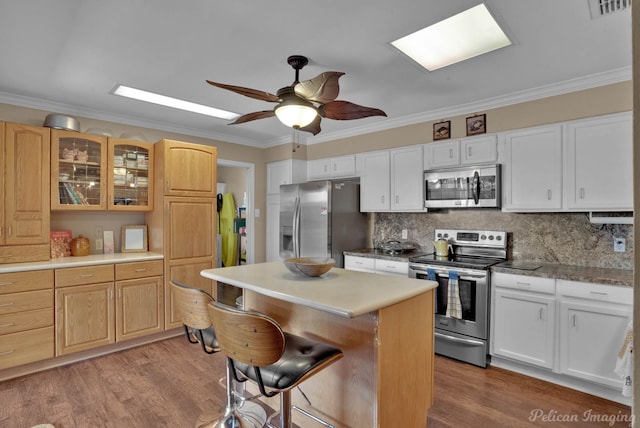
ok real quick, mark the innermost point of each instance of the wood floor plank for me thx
(170, 383)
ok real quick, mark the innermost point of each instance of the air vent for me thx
(600, 8)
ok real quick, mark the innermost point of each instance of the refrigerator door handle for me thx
(296, 228)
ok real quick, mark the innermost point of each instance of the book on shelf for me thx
(60, 243)
(75, 195)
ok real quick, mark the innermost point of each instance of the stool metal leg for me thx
(246, 415)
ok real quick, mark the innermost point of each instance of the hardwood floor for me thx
(170, 383)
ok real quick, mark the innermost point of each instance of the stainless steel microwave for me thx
(463, 187)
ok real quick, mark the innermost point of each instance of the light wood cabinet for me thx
(139, 299)
(78, 171)
(24, 190)
(130, 175)
(85, 308)
(26, 317)
(182, 225)
(186, 169)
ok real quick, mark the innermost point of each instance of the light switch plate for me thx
(404, 233)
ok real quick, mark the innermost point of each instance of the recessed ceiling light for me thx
(462, 36)
(150, 97)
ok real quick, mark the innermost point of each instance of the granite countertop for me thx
(610, 276)
(90, 260)
(340, 292)
(374, 253)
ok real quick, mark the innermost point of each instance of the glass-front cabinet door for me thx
(130, 175)
(78, 171)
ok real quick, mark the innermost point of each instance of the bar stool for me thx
(191, 307)
(257, 347)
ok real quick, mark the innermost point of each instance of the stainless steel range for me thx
(462, 297)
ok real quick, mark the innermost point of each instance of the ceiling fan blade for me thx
(253, 116)
(344, 110)
(321, 89)
(313, 127)
(247, 92)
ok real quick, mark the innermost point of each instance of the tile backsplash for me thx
(566, 238)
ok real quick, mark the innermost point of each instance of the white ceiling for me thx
(65, 56)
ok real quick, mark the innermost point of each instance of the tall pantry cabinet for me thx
(24, 191)
(182, 224)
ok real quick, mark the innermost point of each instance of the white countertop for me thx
(65, 262)
(341, 292)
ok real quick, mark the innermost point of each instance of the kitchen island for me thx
(385, 330)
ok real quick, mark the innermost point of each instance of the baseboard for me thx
(560, 379)
(50, 363)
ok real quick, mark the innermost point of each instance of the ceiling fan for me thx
(302, 105)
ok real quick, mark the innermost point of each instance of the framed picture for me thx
(442, 130)
(134, 239)
(477, 124)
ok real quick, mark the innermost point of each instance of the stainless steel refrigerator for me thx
(321, 219)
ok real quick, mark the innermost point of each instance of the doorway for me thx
(239, 177)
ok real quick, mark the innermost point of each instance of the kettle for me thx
(442, 247)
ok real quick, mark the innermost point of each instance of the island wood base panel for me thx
(386, 376)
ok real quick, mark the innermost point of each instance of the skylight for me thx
(465, 35)
(150, 97)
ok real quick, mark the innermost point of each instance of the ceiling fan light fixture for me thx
(296, 112)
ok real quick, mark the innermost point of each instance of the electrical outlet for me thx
(99, 244)
(404, 233)
(619, 245)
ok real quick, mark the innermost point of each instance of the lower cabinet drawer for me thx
(28, 320)
(14, 282)
(25, 253)
(26, 347)
(139, 269)
(84, 275)
(27, 301)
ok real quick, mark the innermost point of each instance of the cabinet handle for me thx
(450, 153)
(549, 194)
(541, 315)
(335, 167)
(7, 352)
(382, 199)
(573, 320)
(469, 151)
(141, 270)
(119, 293)
(523, 284)
(110, 294)
(86, 275)
(9, 231)
(397, 199)
(8, 324)
(599, 293)
(582, 193)
(2, 284)
(4, 305)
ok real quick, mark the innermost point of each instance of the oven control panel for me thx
(473, 238)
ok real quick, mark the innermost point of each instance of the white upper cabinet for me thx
(285, 172)
(375, 179)
(478, 150)
(407, 179)
(599, 164)
(467, 151)
(442, 154)
(532, 169)
(338, 167)
(391, 180)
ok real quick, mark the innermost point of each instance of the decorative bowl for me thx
(309, 266)
(61, 121)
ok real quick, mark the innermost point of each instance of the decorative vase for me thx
(80, 246)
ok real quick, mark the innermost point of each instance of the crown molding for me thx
(568, 86)
(565, 87)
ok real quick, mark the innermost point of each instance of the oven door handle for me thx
(459, 340)
(461, 275)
